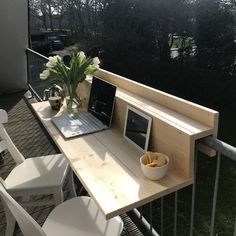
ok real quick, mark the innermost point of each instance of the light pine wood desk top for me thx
(108, 167)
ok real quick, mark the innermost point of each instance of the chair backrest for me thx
(28, 226)
(6, 142)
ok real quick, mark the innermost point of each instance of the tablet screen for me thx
(137, 128)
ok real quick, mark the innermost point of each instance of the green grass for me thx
(178, 42)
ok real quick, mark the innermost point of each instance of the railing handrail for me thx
(220, 146)
(36, 53)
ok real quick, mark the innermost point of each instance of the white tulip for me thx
(96, 66)
(53, 61)
(81, 55)
(58, 57)
(55, 58)
(96, 61)
(49, 64)
(44, 75)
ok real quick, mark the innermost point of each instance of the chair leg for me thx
(71, 183)
(58, 196)
(10, 221)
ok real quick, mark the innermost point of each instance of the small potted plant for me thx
(80, 66)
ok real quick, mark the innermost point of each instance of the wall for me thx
(13, 42)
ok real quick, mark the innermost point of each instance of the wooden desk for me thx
(108, 167)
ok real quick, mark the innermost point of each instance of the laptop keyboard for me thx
(79, 123)
(86, 121)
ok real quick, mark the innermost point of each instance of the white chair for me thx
(75, 217)
(34, 176)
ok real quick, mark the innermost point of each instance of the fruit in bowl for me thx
(154, 165)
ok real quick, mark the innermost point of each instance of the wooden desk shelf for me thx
(108, 165)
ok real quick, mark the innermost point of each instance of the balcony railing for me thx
(36, 63)
(191, 211)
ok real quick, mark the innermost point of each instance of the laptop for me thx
(97, 118)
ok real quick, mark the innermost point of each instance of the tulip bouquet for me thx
(80, 66)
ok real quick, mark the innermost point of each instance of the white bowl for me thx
(154, 173)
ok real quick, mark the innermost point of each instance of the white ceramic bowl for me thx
(154, 173)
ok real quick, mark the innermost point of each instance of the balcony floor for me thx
(32, 140)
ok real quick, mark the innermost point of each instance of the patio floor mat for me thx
(32, 140)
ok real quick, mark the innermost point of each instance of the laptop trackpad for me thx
(80, 123)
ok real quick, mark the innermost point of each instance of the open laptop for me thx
(97, 118)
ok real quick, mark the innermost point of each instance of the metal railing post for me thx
(150, 212)
(162, 216)
(235, 227)
(215, 195)
(193, 193)
(175, 213)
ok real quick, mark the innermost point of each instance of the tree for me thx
(61, 7)
(126, 35)
(214, 35)
(138, 34)
(170, 18)
(37, 11)
(45, 10)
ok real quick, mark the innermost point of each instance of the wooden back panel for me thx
(194, 111)
(177, 123)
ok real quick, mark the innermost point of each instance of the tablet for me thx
(137, 128)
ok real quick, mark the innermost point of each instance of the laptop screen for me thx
(101, 100)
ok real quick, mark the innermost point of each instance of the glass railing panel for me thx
(36, 63)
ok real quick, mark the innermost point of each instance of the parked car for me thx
(56, 43)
